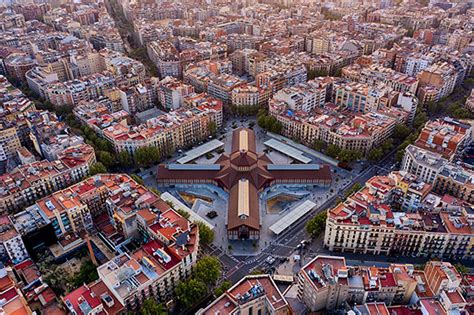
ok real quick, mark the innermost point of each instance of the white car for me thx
(270, 260)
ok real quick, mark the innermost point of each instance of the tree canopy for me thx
(225, 285)
(206, 235)
(97, 168)
(316, 225)
(356, 187)
(147, 156)
(150, 307)
(138, 179)
(86, 274)
(208, 270)
(190, 292)
(269, 123)
(124, 159)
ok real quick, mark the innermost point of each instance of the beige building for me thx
(251, 295)
(28, 183)
(9, 143)
(344, 129)
(322, 283)
(370, 222)
(246, 96)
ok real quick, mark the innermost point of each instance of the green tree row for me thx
(316, 225)
(203, 278)
(268, 122)
(244, 110)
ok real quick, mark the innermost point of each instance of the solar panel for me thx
(287, 150)
(292, 217)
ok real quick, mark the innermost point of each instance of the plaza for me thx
(228, 188)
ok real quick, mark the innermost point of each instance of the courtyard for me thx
(210, 202)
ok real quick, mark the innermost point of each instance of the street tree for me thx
(375, 154)
(206, 235)
(150, 307)
(225, 285)
(138, 179)
(212, 128)
(333, 150)
(105, 158)
(97, 168)
(190, 292)
(207, 270)
(316, 225)
(124, 159)
(146, 156)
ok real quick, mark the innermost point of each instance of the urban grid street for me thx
(250, 157)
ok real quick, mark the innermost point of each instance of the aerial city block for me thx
(241, 157)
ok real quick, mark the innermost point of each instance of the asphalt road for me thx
(285, 244)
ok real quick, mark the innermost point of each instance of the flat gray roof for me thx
(287, 150)
(193, 216)
(194, 167)
(200, 151)
(292, 217)
(293, 167)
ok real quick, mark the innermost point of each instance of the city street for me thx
(285, 245)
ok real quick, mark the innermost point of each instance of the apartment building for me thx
(247, 96)
(13, 300)
(409, 191)
(12, 247)
(322, 283)
(172, 92)
(413, 63)
(85, 65)
(199, 74)
(39, 78)
(123, 68)
(362, 98)
(9, 143)
(18, 64)
(303, 97)
(374, 75)
(446, 136)
(436, 82)
(251, 295)
(445, 282)
(240, 60)
(365, 223)
(139, 97)
(470, 101)
(27, 183)
(70, 93)
(422, 163)
(177, 129)
(97, 116)
(166, 58)
(122, 209)
(359, 132)
(424, 293)
(409, 103)
(459, 39)
(318, 43)
(149, 31)
(456, 181)
(221, 87)
(281, 71)
(95, 298)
